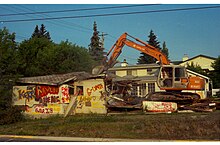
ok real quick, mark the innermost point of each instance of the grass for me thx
(178, 126)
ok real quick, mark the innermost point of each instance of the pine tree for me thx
(36, 32)
(41, 33)
(144, 58)
(95, 49)
(165, 50)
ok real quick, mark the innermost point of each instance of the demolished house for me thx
(129, 89)
(134, 88)
(63, 94)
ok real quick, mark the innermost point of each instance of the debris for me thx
(152, 106)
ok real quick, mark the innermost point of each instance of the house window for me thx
(151, 87)
(142, 89)
(71, 90)
(79, 90)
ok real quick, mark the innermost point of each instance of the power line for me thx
(113, 14)
(63, 23)
(74, 10)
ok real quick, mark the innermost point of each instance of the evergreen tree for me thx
(214, 75)
(144, 58)
(95, 49)
(41, 33)
(165, 50)
(36, 32)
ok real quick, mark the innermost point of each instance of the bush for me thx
(11, 115)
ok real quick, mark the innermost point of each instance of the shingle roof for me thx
(55, 79)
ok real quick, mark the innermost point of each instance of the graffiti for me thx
(42, 91)
(85, 100)
(65, 94)
(166, 106)
(43, 110)
(152, 106)
(93, 89)
(27, 94)
(89, 101)
(50, 99)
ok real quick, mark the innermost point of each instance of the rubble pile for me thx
(120, 98)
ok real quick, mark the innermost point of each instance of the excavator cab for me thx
(175, 78)
(172, 77)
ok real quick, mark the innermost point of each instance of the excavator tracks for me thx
(177, 97)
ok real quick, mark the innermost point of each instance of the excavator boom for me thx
(140, 46)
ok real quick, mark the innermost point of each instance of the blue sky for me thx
(191, 32)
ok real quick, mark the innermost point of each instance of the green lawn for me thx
(177, 126)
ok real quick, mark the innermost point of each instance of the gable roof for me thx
(201, 55)
(56, 79)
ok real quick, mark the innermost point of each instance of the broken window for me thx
(79, 90)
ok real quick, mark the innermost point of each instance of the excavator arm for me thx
(139, 45)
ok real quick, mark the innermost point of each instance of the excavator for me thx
(171, 78)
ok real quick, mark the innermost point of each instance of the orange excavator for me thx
(172, 78)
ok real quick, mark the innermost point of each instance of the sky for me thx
(191, 32)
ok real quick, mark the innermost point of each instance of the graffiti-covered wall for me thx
(88, 95)
(92, 100)
(41, 99)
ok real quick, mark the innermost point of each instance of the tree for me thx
(215, 76)
(8, 75)
(145, 58)
(29, 56)
(69, 57)
(165, 50)
(41, 33)
(196, 68)
(95, 49)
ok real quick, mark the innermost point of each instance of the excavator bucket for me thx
(98, 70)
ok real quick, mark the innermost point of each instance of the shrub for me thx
(10, 115)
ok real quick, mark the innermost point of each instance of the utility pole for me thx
(102, 39)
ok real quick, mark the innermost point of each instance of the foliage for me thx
(10, 115)
(95, 49)
(8, 75)
(69, 57)
(28, 52)
(145, 58)
(41, 33)
(215, 76)
(196, 68)
(165, 50)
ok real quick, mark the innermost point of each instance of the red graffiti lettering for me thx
(44, 110)
(50, 99)
(93, 89)
(42, 91)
